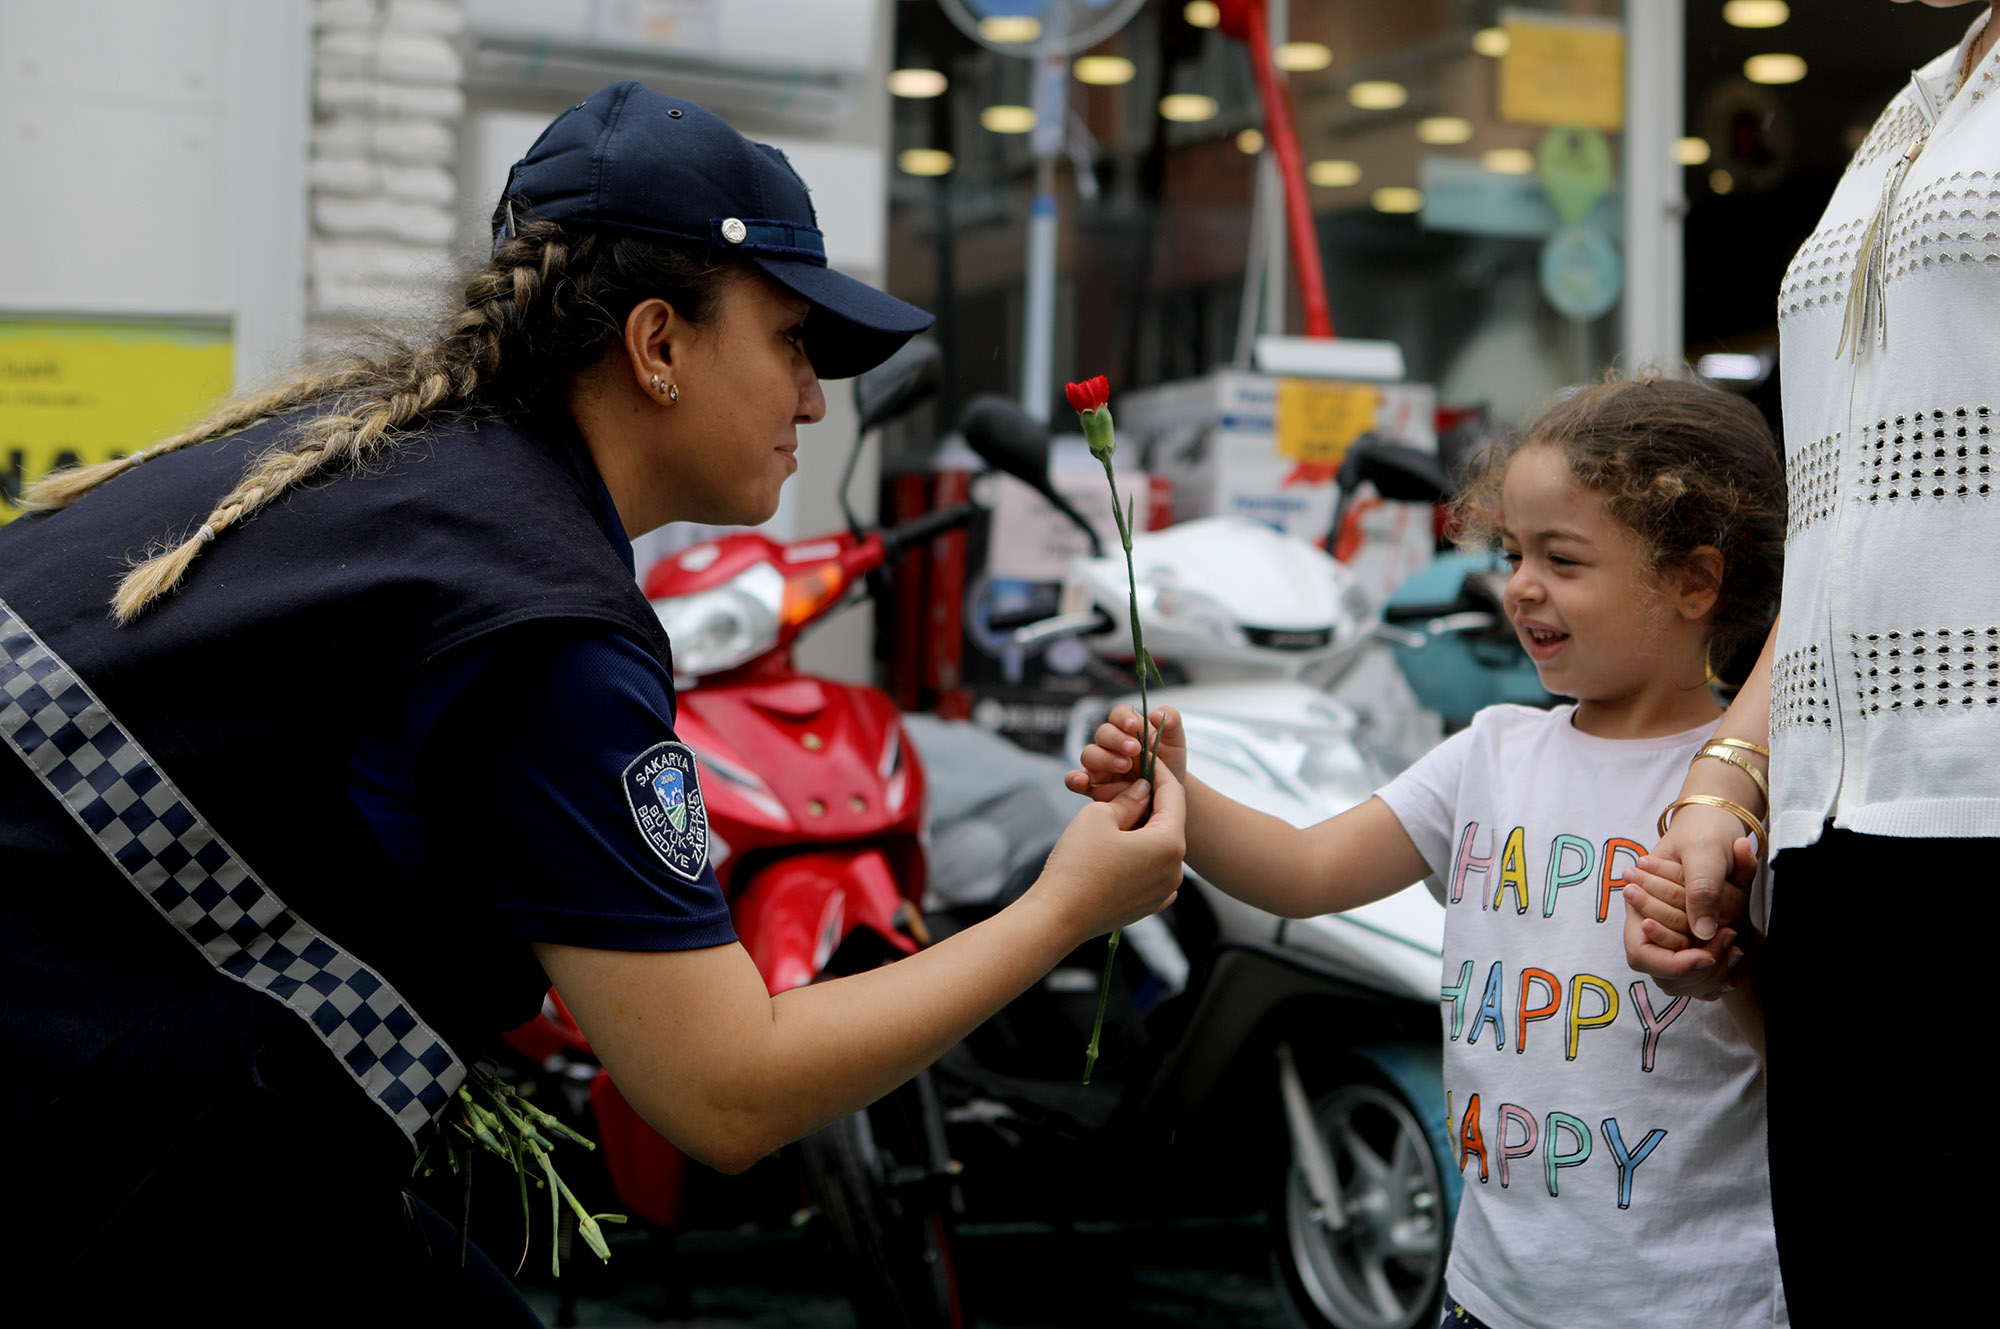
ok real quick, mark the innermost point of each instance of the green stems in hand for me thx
(1091, 401)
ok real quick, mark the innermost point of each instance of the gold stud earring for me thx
(656, 384)
(673, 392)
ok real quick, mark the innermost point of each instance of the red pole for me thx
(1244, 20)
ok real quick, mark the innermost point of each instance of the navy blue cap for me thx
(629, 159)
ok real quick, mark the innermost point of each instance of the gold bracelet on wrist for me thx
(1736, 810)
(1721, 753)
(1745, 744)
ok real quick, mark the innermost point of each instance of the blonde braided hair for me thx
(551, 301)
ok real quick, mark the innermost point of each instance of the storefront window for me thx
(1464, 194)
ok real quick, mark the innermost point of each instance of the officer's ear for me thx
(656, 340)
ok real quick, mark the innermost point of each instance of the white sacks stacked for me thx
(388, 95)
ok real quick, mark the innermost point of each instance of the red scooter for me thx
(815, 802)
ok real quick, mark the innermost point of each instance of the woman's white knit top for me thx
(1885, 696)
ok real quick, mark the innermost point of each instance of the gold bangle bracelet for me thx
(1745, 744)
(1736, 810)
(1720, 753)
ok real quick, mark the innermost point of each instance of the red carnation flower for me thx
(1090, 395)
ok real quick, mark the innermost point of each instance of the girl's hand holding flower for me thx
(1112, 760)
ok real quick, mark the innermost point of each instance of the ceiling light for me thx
(1755, 13)
(1721, 181)
(1250, 141)
(1187, 107)
(917, 83)
(1334, 173)
(1378, 95)
(1777, 67)
(1691, 151)
(1490, 42)
(1202, 13)
(924, 161)
(1105, 71)
(1010, 29)
(1397, 198)
(1508, 161)
(1303, 57)
(1005, 119)
(1442, 130)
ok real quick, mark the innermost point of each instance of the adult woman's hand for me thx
(1698, 853)
(729, 1072)
(1659, 940)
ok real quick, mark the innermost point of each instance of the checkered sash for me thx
(147, 828)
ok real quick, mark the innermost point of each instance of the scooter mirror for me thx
(1012, 442)
(885, 392)
(1398, 472)
(898, 383)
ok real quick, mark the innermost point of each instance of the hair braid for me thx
(369, 405)
(64, 487)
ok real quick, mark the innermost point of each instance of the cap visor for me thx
(853, 326)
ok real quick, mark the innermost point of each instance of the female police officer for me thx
(351, 685)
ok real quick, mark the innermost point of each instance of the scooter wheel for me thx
(1381, 1266)
(883, 1202)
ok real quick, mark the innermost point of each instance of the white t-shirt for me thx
(1611, 1138)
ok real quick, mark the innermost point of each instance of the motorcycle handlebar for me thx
(896, 539)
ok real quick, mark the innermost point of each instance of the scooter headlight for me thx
(1183, 610)
(718, 629)
(1291, 760)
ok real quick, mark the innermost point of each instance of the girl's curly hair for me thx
(1681, 464)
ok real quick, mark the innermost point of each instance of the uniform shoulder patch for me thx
(665, 797)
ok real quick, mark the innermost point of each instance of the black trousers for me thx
(1872, 981)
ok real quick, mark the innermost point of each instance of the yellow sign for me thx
(88, 392)
(1563, 71)
(1318, 419)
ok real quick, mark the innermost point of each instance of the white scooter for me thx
(1338, 1013)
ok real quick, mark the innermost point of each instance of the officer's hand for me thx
(1108, 870)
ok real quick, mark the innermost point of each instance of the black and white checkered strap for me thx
(147, 828)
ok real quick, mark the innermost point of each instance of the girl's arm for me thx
(1360, 856)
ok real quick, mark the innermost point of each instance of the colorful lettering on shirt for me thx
(1655, 1024)
(1489, 1009)
(1559, 1140)
(1583, 867)
(1572, 861)
(1467, 862)
(1455, 994)
(1523, 1012)
(1563, 1140)
(1628, 1162)
(1531, 1135)
(1553, 1159)
(1613, 875)
(1591, 1002)
(1472, 1140)
(1513, 871)
(1578, 1021)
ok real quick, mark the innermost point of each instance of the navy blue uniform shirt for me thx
(510, 753)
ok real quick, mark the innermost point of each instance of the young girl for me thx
(1611, 1137)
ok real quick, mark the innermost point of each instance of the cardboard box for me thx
(1267, 448)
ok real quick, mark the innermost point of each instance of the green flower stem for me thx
(1101, 446)
(491, 1116)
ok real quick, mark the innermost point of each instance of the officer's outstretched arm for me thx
(728, 1072)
